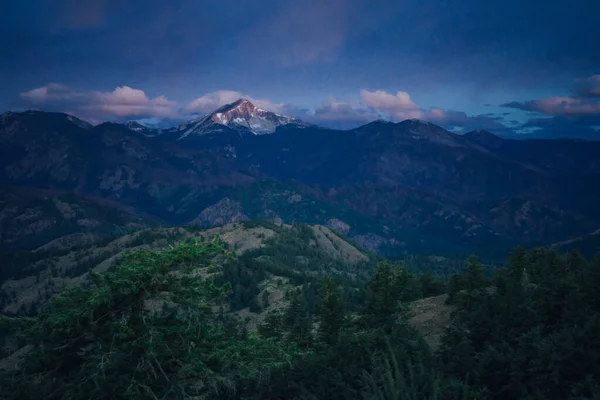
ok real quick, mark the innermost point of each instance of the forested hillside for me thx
(162, 324)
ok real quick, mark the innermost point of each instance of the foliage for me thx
(142, 331)
(154, 327)
(534, 334)
(332, 311)
(388, 291)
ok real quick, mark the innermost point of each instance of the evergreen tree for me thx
(265, 298)
(108, 342)
(429, 285)
(455, 285)
(517, 262)
(332, 311)
(475, 275)
(297, 320)
(385, 289)
(591, 286)
(272, 326)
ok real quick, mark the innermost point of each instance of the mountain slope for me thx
(283, 250)
(562, 157)
(588, 245)
(30, 219)
(241, 116)
(407, 187)
(111, 161)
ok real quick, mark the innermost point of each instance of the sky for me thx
(525, 68)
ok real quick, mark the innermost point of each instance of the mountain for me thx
(395, 188)
(143, 129)
(588, 245)
(241, 116)
(484, 138)
(562, 157)
(110, 161)
(34, 218)
(312, 249)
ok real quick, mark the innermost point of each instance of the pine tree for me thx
(474, 277)
(591, 288)
(455, 285)
(265, 299)
(517, 262)
(104, 342)
(576, 266)
(332, 311)
(297, 320)
(429, 285)
(272, 327)
(385, 289)
(474, 280)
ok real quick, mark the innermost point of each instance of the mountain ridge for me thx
(411, 175)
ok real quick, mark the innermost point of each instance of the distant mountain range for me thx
(395, 188)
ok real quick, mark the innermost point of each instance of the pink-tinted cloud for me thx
(124, 101)
(210, 101)
(53, 92)
(345, 113)
(463, 122)
(559, 105)
(394, 106)
(584, 102)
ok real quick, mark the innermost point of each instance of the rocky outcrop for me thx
(339, 226)
(224, 212)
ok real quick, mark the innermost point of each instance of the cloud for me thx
(559, 105)
(331, 112)
(340, 114)
(589, 87)
(125, 102)
(53, 92)
(380, 104)
(210, 101)
(371, 105)
(459, 119)
(574, 116)
(397, 107)
(122, 102)
(583, 101)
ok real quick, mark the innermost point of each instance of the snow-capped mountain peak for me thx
(241, 115)
(135, 126)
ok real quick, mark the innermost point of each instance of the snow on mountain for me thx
(135, 126)
(242, 116)
(143, 129)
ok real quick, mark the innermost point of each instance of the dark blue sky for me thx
(514, 66)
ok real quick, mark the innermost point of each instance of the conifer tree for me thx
(455, 285)
(517, 261)
(591, 287)
(429, 285)
(385, 289)
(296, 319)
(474, 277)
(332, 311)
(272, 326)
